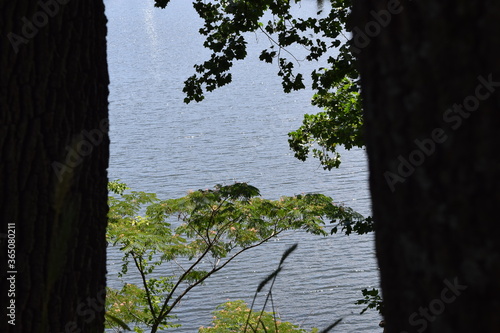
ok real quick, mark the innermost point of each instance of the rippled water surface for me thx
(239, 133)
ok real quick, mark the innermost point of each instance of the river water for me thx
(238, 133)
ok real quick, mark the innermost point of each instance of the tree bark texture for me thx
(54, 150)
(430, 76)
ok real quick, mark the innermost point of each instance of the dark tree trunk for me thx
(54, 152)
(430, 84)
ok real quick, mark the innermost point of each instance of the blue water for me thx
(238, 133)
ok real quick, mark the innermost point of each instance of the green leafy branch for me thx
(372, 299)
(201, 233)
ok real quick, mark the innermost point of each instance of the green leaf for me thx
(117, 321)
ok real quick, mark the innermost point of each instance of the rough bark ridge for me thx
(54, 152)
(430, 83)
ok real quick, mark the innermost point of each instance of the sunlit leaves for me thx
(116, 187)
(340, 123)
(200, 233)
(127, 305)
(231, 317)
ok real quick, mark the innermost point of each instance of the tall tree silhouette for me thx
(430, 83)
(54, 152)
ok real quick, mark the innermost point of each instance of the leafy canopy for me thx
(193, 237)
(226, 27)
